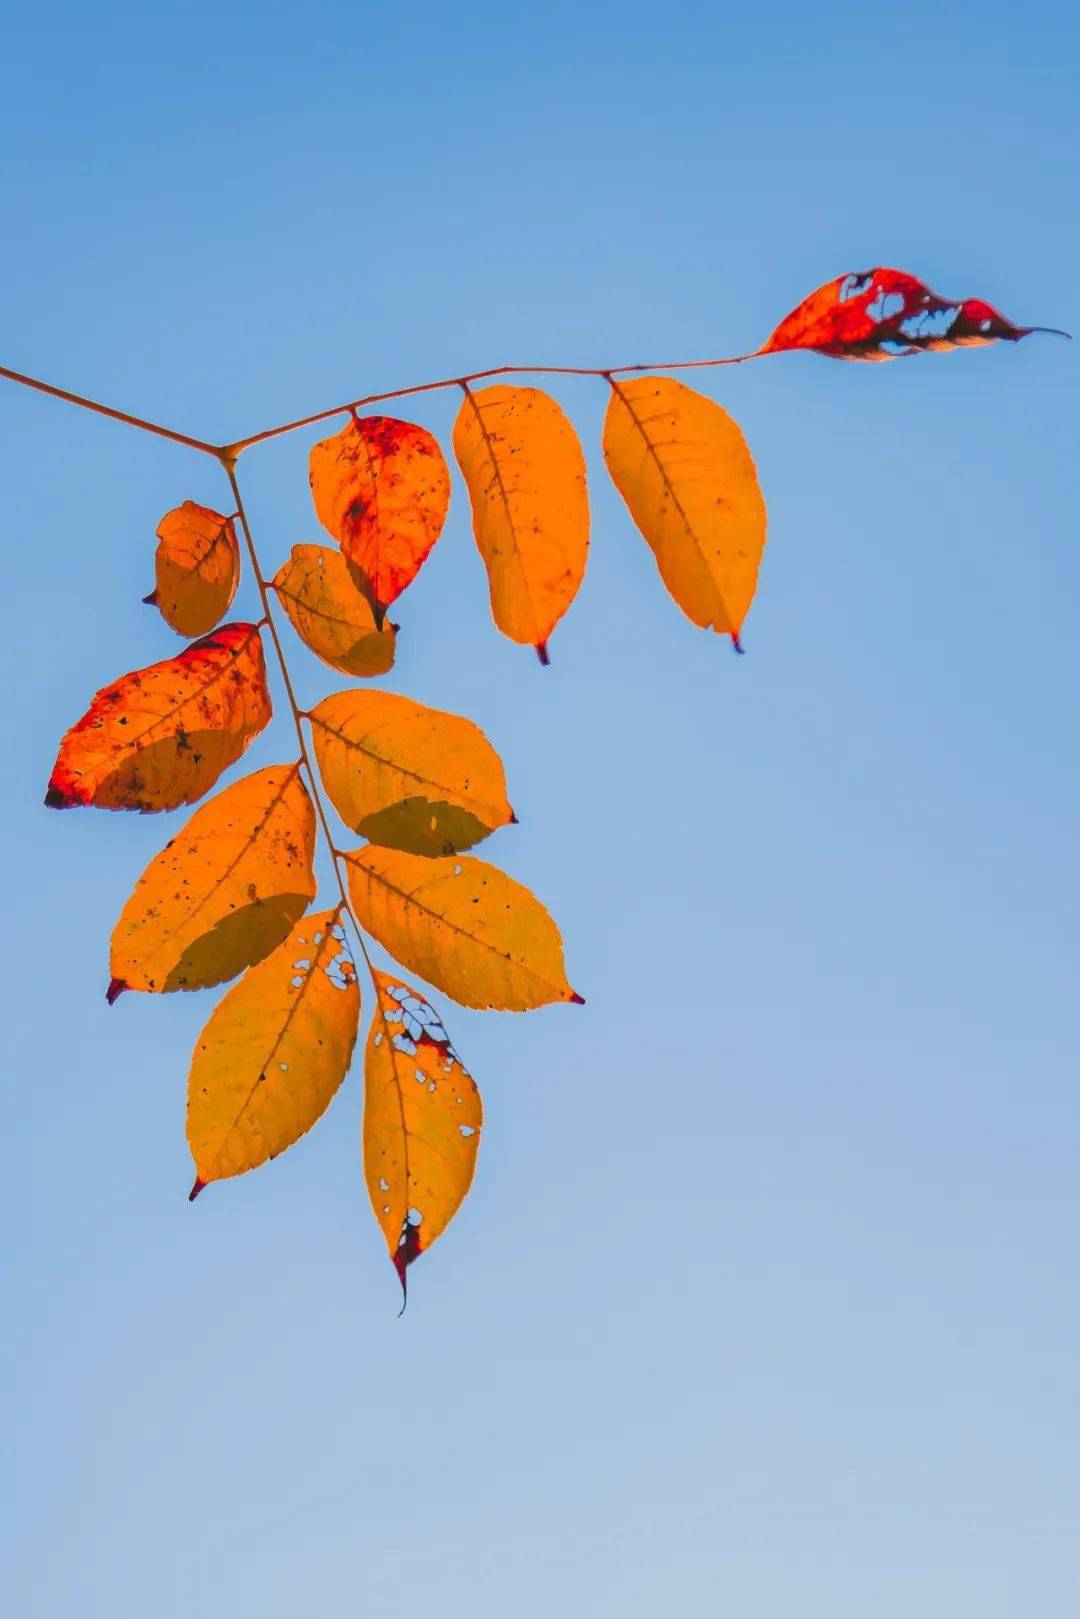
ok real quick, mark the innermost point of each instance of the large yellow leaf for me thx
(224, 892)
(273, 1053)
(422, 1121)
(330, 613)
(162, 736)
(685, 472)
(197, 568)
(407, 776)
(381, 488)
(523, 464)
(462, 925)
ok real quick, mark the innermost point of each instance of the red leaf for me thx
(884, 314)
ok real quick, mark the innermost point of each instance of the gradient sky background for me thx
(766, 1297)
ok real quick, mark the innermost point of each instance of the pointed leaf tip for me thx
(151, 600)
(116, 988)
(737, 644)
(55, 799)
(543, 654)
(576, 999)
(195, 1190)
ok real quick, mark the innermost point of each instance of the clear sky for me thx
(766, 1297)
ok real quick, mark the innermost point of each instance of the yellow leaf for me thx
(381, 488)
(330, 613)
(407, 776)
(197, 568)
(422, 1121)
(462, 925)
(224, 892)
(523, 464)
(685, 472)
(275, 1050)
(161, 737)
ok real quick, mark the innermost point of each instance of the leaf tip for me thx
(576, 999)
(151, 600)
(542, 653)
(513, 821)
(196, 1189)
(116, 988)
(737, 643)
(56, 798)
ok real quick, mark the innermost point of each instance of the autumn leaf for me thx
(422, 1122)
(382, 489)
(161, 736)
(523, 465)
(197, 568)
(331, 614)
(223, 892)
(407, 776)
(885, 314)
(274, 1052)
(462, 925)
(685, 471)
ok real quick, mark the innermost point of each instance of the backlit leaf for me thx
(407, 776)
(885, 314)
(381, 488)
(273, 1053)
(223, 892)
(197, 567)
(684, 470)
(422, 1121)
(331, 614)
(462, 925)
(523, 464)
(161, 736)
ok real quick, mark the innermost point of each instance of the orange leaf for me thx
(462, 925)
(223, 892)
(274, 1052)
(330, 613)
(684, 470)
(161, 736)
(381, 488)
(422, 1122)
(407, 776)
(197, 567)
(523, 464)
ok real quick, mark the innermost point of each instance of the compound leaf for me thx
(685, 471)
(197, 568)
(331, 614)
(223, 892)
(161, 736)
(407, 776)
(274, 1052)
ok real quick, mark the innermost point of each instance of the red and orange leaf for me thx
(381, 487)
(408, 776)
(223, 892)
(422, 1123)
(885, 314)
(274, 1052)
(523, 465)
(160, 737)
(197, 568)
(331, 614)
(685, 471)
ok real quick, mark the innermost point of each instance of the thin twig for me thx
(107, 410)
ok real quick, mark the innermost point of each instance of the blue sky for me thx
(766, 1294)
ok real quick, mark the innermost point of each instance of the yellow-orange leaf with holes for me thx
(331, 614)
(381, 487)
(422, 1121)
(407, 776)
(462, 925)
(197, 568)
(161, 736)
(685, 471)
(273, 1053)
(523, 464)
(223, 892)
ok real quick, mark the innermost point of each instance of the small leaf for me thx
(422, 1122)
(523, 464)
(161, 736)
(197, 567)
(886, 314)
(462, 925)
(273, 1053)
(223, 892)
(381, 488)
(686, 474)
(331, 614)
(407, 776)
